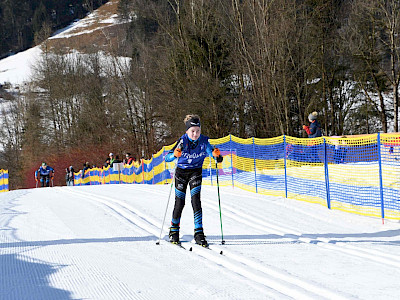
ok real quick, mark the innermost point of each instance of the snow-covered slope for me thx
(99, 242)
(17, 68)
(95, 30)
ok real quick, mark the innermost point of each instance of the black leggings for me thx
(183, 178)
(45, 180)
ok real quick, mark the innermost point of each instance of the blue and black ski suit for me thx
(189, 172)
(44, 175)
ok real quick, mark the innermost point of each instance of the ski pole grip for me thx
(178, 152)
(216, 152)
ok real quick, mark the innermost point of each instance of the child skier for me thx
(191, 149)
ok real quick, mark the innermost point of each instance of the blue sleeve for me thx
(209, 149)
(170, 157)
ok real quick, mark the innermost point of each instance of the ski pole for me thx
(219, 203)
(169, 196)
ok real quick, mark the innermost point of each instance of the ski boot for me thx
(174, 234)
(200, 238)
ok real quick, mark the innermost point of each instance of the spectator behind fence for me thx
(86, 166)
(128, 159)
(69, 176)
(112, 158)
(117, 160)
(339, 154)
(107, 162)
(314, 130)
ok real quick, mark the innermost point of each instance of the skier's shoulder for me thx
(203, 139)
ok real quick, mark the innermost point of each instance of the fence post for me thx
(142, 170)
(165, 166)
(284, 161)
(211, 172)
(152, 165)
(134, 173)
(380, 177)
(255, 164)
(328, 194)
(230, 146)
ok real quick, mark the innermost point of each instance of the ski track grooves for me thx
(285, 284)
(228, 211)
(374, 254)
(321, 242)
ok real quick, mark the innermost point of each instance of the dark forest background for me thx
(248, 68)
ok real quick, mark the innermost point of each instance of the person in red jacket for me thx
(128, 159)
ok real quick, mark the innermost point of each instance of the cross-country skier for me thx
(191, 149)
(44, 173)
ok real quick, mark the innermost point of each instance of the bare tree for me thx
(366, 47)
(389, 17)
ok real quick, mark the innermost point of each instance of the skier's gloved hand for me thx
(178, 152)
(219, 159)
(216, 152)
(304, 127)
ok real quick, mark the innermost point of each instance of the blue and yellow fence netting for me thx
(358, 174)
(3, 180)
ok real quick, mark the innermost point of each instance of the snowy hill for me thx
(17, 68)
(94, 33)
(99, 242)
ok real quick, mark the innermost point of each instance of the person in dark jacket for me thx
(107, 162)
(128, 159)
(314, 129)
(86, 166)
(190, 150)
(112, 158)
(69, 176)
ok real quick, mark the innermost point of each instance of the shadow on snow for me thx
(21, 279)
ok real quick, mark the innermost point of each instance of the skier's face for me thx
(194, 132)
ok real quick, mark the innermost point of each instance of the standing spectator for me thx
(117, 160)
(340, 150)
(107, 162)
(314, 130)
(128, 159)
(69, 177)
(112, 158)
(86, 166)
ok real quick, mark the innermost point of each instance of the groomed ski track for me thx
(99, 242)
